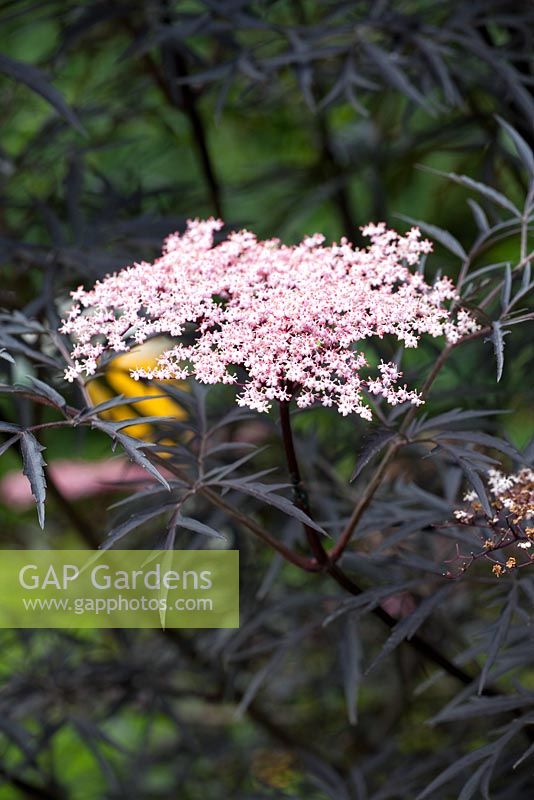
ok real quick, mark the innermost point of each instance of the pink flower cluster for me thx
(277, 321)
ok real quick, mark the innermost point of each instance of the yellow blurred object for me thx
(117, 380)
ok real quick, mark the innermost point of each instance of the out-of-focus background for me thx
(120, 120)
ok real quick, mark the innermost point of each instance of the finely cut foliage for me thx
(293, 318)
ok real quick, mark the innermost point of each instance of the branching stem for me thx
(328, 566)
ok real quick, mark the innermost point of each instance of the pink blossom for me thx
(276, 321)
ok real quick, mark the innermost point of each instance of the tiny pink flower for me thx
(276, 321)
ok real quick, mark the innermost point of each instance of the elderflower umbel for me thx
(277, 321)
(514, 492)
(511, 498)
(511, 495)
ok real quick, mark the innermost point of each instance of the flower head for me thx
(513, 493)
(275, 320)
